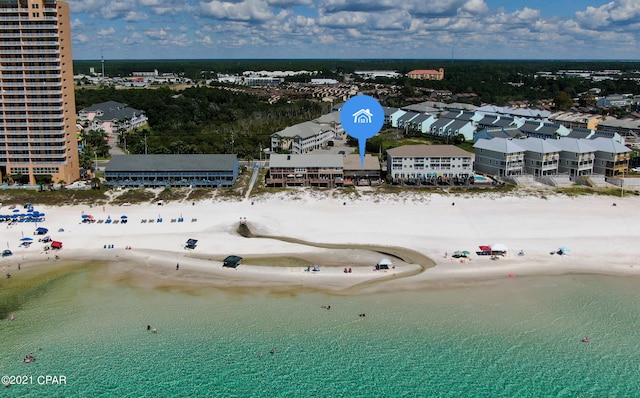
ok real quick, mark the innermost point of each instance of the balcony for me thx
(35, 92)
(37, 68)
(27, 51)
(52, 84)
(33, 124)
(31, 100)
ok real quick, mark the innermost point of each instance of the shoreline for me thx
(338, 235)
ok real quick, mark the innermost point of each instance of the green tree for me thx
(563, 101)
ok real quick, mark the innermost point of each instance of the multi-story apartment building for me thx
(612, 158)
(429, 164)
(37, 107)
(426, 74)
(577, 157)
(541, 157)
(305, 170)
(499, 157)
(302, 138)
(111, 117)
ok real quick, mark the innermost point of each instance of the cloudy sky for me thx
(464, 29)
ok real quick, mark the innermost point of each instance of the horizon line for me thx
(372, 59)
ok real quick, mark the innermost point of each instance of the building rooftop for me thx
(308, 160)
(428, 151)
(574, 145)
(538, 145)
(501, 145)
(352, 162)
(112, 110)
(302, 130)
(168, 163)
(333, 117)
(608, 145)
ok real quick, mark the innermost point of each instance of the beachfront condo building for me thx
(429, 164)
(37, 107)
(307, 170)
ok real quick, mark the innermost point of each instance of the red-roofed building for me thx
(427, 74)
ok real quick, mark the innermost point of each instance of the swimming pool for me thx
(480, 178)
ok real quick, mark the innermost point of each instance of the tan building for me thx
(37, 107)
(305, 170)
(355, 173)
(426, 74)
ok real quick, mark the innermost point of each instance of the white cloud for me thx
(288, 3)
(611, 14)
(304, 28)
(157, 34)
(106, 32)
(245, 10)
(134, 16)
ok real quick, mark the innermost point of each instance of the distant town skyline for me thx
(422, 29)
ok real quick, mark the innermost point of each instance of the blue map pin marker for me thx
(362, 117)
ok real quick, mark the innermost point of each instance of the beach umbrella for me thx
(466, 252)
(123, 217)
(16, 210)
(385, 261)
(85, 216)
(27, 239)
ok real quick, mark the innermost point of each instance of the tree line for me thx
(198, 120)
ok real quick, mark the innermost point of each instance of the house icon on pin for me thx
(363, 116)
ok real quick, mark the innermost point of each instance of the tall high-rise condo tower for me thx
(37, 102)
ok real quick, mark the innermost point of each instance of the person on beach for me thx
(177, 266)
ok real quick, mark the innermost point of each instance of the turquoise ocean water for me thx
(510, 338)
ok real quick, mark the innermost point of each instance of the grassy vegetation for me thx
(100, 197)
(52, 198)
(580, 190)
(198, 194)
(260, 188)
(173, 194)
(138, 195)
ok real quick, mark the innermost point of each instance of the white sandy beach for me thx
(602, 238)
